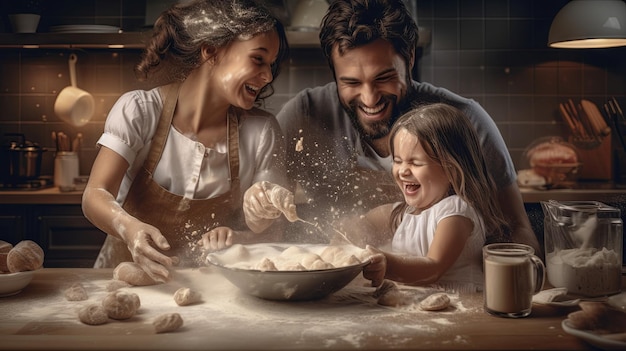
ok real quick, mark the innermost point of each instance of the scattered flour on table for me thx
(347, 318)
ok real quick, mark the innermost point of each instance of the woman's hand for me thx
(264, 201)
(141, 239)
(217, 239)
(376, 269)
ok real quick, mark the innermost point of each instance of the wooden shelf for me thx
(126, 40)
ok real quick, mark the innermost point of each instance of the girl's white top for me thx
(416, 233)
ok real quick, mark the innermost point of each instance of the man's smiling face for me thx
(371, 83)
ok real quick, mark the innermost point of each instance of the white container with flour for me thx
(583, 246)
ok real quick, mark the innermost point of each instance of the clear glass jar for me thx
(65, 170)
(583, 247)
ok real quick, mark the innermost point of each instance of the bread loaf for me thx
(25, 256)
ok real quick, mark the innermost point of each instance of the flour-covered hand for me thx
(377, 266)
(264, 201)
(141, 240)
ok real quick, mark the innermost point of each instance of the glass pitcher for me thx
(583, 246)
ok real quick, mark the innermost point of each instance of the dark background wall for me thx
(494, 51)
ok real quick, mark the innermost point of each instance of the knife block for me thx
(597, 162)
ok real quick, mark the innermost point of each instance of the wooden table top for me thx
(41, 318)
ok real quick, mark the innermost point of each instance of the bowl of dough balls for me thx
(283, 271)
(17, 265)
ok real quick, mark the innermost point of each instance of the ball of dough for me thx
(27, 255)
(307, 259)
(121, 304)
(5, 247)
(435, 302)
(291, 266)
(186, 296)
(599, 317)
(319, 265)
(235, 253)
(293, 251)
(340, 257)
(133, 274)
(266, 265)
(93, 314)
(167, 322)
(4, 268)
(76, 292)
(350, 260)
(394, 298)
(116, 284)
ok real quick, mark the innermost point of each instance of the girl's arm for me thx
(448, 243)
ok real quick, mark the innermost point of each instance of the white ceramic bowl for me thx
(13, 283)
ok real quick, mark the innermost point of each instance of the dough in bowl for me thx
(27, 255)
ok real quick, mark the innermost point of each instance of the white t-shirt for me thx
(188, 168)
(416, 233)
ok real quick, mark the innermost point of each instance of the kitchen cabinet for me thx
(66, 236)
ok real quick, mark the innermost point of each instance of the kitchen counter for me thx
(41, 318)
(582, 191)
(45, 196)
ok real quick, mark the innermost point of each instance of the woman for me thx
(173, 160)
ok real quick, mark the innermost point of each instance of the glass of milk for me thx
(583, 246)
(513, 274)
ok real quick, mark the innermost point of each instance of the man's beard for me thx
(376, 130)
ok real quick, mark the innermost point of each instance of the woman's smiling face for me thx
(421, 179)
(244, 67)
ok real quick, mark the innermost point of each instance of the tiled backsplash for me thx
(494, 51)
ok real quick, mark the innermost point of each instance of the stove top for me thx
(27, 184)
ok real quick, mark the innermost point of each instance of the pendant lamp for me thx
(583, 24)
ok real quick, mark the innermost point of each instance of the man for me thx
(337, 134)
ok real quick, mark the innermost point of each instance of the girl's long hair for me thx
(449, 139)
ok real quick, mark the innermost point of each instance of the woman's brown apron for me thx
(182, 221)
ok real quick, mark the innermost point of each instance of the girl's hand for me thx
(217, 239)
(375, 270)
(264, 201)
(141, 239)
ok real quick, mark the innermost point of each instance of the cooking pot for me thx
(21, 159)
(74, 105)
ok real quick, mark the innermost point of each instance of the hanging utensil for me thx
(74, 105)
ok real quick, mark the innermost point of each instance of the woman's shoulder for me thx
(141, 96)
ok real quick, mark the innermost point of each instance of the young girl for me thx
(450, 209)
(175, 161)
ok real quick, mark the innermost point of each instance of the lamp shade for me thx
(589, 24)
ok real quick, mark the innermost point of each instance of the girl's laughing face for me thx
(421, 179)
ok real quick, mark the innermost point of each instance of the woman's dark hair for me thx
(180, 33)
(352, 23)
